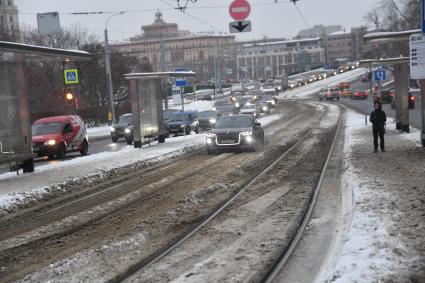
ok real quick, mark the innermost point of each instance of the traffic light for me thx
(69, 97)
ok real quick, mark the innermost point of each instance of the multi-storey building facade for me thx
(167, 48)
(9, 21)
(345, 45)
(273, 58)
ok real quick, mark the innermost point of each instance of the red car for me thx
(55, 136)
(359, 94)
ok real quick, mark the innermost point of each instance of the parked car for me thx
(232, 133)
(183, 122)
(118, 130)
(55, 136)
(251, 109)
(329, 94)
(359, 94)
(207, 119)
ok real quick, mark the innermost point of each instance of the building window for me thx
(11, 19)
(9, 3)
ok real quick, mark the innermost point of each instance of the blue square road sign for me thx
(380, 75)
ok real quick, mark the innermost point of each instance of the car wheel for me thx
(114, 139)
(61, 152)
(197, 131)
(337, 99)
(28, 166)
(85, 149)
(175, 134)
(187, 131)
(320, 99)
(129, 142)
(161, 139)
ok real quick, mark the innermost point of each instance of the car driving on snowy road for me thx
(235, 133)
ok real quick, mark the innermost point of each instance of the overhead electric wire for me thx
(301, 14)
(193, 17)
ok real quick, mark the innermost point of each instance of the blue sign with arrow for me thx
(380, 75)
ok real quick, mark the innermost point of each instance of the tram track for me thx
(146, 263)
(56, 239)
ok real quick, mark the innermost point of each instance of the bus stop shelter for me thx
(401, 77)
(15, 128)
(147, 91)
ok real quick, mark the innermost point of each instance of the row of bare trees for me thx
(46, 83)
(392, 15)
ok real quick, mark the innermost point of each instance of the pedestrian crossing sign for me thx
(71, 76)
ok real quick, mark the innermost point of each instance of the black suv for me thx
(234, 133)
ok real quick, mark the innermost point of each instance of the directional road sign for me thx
(71, 76)
(417, 56)
(240, 26)
(380, 75)
(423, 16)
(181, 82)
(239, 10)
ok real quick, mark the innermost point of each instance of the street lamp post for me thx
(108, 67)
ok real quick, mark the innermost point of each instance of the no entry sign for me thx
(239, 10)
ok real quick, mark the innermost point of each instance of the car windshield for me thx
(269, 92)
(167, 113)
(126, 119)
(226, 109)
(266, 98)
(234, 122)
(249, 106)
(177, 117)
(46, 129)
(207, 114)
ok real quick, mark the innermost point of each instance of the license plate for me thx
(228, 141)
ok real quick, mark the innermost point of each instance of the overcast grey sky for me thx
(273, 20)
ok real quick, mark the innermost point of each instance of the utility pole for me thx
(162, 68)
(108, 68)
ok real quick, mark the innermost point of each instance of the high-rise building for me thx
(9, 20)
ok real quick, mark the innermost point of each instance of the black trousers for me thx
(378, 131)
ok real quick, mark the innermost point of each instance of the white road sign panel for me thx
(240, 26)
(417, 56)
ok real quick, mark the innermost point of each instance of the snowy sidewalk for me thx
(381, 237)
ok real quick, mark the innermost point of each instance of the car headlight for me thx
(127, 131)
(265, 108)
(248, 133)
(214, 109)
(273, 102)
(182, 126)
(50, 142)
(249, 139)
(213, 121)
(237, 105)
(112, 129)
(210, 135)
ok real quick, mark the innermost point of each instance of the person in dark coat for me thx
(378, 118)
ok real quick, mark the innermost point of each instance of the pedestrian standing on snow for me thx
(378, 118)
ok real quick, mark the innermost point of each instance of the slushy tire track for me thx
(147, 262)
(286, 255)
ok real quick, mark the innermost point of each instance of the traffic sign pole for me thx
(423, 16)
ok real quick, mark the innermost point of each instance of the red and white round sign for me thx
(239, 10)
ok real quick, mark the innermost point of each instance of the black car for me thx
(235, 133)
(207, 119)
(387, 96)
(183, 123)
(119, 129)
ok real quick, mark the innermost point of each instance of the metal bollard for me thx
(365, 120)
